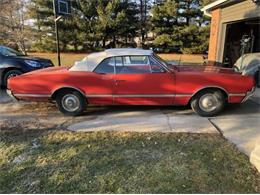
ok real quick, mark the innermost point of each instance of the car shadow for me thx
(102, 110)
(247, 108)
(4, 98)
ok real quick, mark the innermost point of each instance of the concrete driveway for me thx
(240, 124)
(4, 98)
(242, 127)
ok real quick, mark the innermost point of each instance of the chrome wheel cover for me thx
(70, 102)
(12, 75)
(208, 102)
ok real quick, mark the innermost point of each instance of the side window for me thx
(155, 66)
(132, 65)
(106, 66)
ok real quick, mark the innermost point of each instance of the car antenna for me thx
(180, 60)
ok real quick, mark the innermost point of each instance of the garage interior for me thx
(241, 37)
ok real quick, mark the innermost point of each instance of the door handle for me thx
(119, 80)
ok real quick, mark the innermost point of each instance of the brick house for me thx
(233, 22)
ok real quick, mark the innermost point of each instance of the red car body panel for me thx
(175, 87)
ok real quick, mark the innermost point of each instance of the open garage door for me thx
(241, 37)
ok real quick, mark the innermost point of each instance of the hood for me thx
(31, 58)
(204, 68)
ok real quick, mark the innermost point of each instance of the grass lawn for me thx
(34, 161)
(68, 59)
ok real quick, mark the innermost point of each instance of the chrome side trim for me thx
(132, 95)
(236, 94)
(108, 95)
(9, 92)
(99, 95)
(211, 86)
(183, 95)
(217, 87)
(249, 94)
(128, 95)
(32, 95)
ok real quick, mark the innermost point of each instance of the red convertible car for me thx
(133, 77)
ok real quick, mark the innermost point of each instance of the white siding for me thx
(240, 11)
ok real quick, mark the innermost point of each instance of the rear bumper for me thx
(249, 94)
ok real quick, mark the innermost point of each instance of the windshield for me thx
(6, 51)
(163, 62)
(160, 59)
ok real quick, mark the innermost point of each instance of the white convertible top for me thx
(90, 62)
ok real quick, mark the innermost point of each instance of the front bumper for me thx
(249, 94)
(9, 92)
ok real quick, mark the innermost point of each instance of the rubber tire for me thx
(195, 103)
(257, 79)
(6, 75)
(82, 100)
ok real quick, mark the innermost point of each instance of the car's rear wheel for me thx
(257, 81)
(71, 103)
(9, 74)
(208, 103)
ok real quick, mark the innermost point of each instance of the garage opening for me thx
(241, 38)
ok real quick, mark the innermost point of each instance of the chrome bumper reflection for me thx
(9, 92)
(249, 94)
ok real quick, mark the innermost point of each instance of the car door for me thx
(140, 80)
(100, 86)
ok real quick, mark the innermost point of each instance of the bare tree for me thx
(12, 23)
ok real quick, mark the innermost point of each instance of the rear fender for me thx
(57, 90)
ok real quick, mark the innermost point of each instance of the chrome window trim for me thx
(148, 56)
(157, 60)
(114, 66)
(130, 56)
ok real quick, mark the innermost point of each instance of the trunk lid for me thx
(48, 70)
(204, 68)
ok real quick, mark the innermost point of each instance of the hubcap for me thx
(70, 102)
(208, 102)
(12, 75)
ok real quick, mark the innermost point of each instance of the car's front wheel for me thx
(71, 103)
(208, 103)
(257, 79)
(9, 74)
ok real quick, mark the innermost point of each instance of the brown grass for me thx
(68, 59)
(51, 161)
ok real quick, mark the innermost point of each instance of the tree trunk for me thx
(104, 42)
(75, 46)
(114, 41)
(64, 46)
(21, 46)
